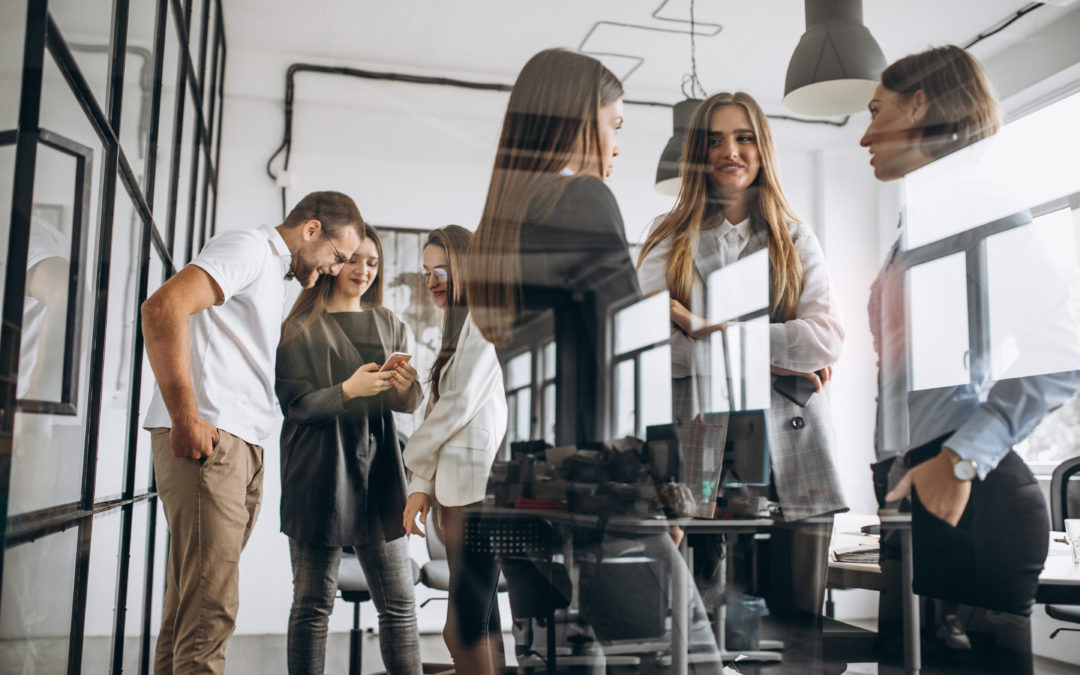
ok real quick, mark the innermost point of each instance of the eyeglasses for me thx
(440, 274)
(338, 258)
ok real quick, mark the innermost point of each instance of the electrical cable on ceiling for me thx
(1004, 23)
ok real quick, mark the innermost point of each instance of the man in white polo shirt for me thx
(211, 335)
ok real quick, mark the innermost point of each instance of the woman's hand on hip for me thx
(418, 503)
(366, 381)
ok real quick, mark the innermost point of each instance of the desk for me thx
(1059, 581)
(680, 580)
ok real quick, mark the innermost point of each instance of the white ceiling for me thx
(491, 39)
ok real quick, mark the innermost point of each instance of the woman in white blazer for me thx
(449, 457)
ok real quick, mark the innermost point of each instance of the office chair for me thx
(1060, 482)
(435, 574)
(353, 587)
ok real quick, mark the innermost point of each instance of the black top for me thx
(342, 478)
(575, 262)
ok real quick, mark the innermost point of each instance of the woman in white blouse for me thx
(731, 205)
(449, 456)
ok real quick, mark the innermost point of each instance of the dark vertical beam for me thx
(220, 94)
(22, 202)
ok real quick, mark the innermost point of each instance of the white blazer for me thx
(451, 453)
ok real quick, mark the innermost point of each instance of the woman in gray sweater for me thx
(342, 478)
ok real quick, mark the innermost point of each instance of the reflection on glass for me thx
(87, 29)
(739, 288)
(101, 592)
(167, 127)
(549, 414)
(938, 309)
(136, 586)
(625, 410)
(41, 354)
(643, 323)
(656, 399)
(981, 183)
(1033, 276)
(35, 617)
(519, 371)
(549, 360)
(522, 416)
(12, 34)
(737, 360)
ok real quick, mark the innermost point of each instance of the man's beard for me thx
(303, 270)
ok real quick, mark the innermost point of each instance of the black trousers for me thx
(993, 557)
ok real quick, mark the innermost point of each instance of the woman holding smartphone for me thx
(731, 205)
(450, 455)
(342, 478)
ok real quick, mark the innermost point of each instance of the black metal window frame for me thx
(44, 39)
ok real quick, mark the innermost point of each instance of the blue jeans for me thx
(388, 570)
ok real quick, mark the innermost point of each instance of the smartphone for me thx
(794, 388)
(394, 359)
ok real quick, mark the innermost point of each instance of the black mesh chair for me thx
(353, 587)
(1060, 498)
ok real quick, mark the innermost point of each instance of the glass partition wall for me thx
(108, 180)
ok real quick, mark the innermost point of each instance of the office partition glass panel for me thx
(938, 328)
(548, 414)
(7, 187)
(119, 345)
(183, 193)
(521, 416)
(35, 616)
(166, 150)
(12, 41)
(101, 593)
(136, 585)
(87, 29)
(138, 84)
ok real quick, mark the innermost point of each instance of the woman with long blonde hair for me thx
(731, 205)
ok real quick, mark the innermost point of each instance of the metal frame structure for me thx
(199, 95)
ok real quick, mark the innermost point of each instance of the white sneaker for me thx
(951, 631)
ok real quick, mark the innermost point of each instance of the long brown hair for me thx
(454, 241)
(311, 302)
(769, 209)
(961, 108)
(553, 104)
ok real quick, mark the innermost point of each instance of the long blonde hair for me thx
(769, 209)
(553, 104)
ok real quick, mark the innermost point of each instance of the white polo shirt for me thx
(234, 344)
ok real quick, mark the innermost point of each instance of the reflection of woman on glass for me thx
(342, 480)
(450, 456)
(979, 520)
(551, 238)
(731, 205)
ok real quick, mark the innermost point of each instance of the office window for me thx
(993, 267)
(641, 366)
(519, 384)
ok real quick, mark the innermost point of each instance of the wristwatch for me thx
(962, 469)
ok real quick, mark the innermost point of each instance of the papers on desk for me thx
(870, 552)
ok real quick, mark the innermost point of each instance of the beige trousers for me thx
(210, 507)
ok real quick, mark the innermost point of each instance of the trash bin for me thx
(742, 622)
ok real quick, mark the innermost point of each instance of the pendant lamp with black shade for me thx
(668, 170)
(837, 63)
